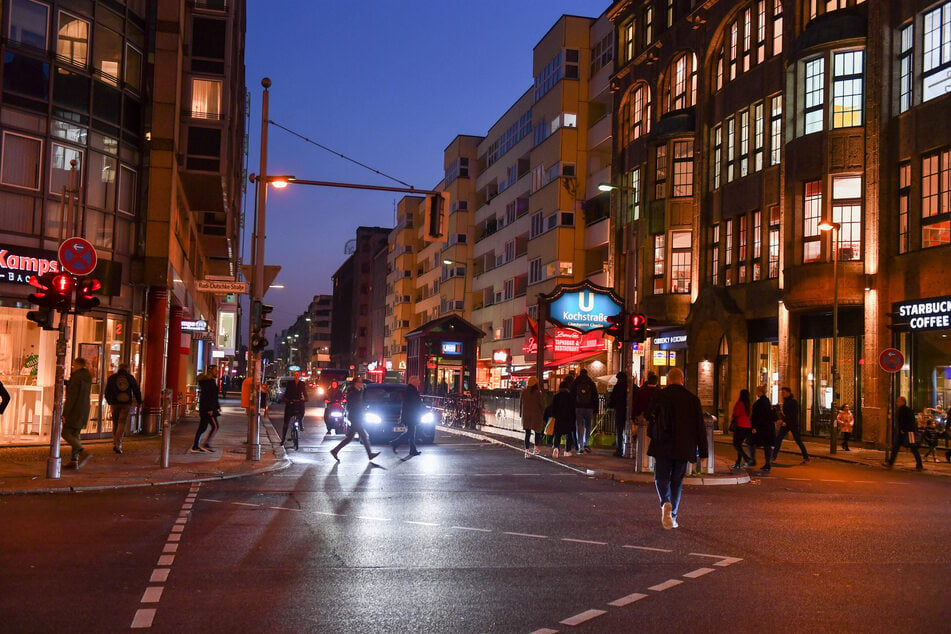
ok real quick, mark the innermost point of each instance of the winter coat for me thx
(585, 380)
(740, 416)
(688, 434)
(412, 406)
(563, 409)
(791, 412)
(618, 402)
(76, 408)
(532, 409)
(112, 390)
(845, 421)
(764, 428)
(208, 394)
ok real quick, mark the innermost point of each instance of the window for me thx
(21, 161)
(206, 99)
(742, 237)
(683, 169)
(508, 289)
(847, 211)
(648, 25)
(847, 89)
(728, 253)
(660, 180)
(633, 194)
(627, 41)
(680, 84)
(659, 264)
(127, 178)
(107, 54)
(719, 72)
(507, 328)
(811, 216)
(635, 114)
(717, 155)
(936, 62)
(777, 27)
(761, 31)
(906, 67)
(757, 245)
(936, 199)
(680, 247)
(904, 203)
(747, 39)
(538, 225)
(730, 148)
(734, 38)
(814, 75)
(776, 130)
(72, 40)
(602, 53)
(758, 139)
(744, 143)
(774, 221)
(670, 13)
(535, 271)
(60, 167)
(29, 22)
(133, 68)
(715, 254)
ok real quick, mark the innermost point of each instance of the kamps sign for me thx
(583, 307)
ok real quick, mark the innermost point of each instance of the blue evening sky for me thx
(387, 83)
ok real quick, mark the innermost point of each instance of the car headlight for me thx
(320, 391)
(336, 414)
(372, 418)
(428, 418)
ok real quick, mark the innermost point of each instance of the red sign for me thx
(891, 360)
(78, 256)
(567, 342)
(500, 356)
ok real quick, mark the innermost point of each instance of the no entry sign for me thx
(891, 360)
(78, 256)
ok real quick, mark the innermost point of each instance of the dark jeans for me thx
(407, 436)
(668, 480)
(912, 448)
(742, 436)
(570, 441)
(355, 428)
(528, 438)
(786, 429)
(71, 436)
(290, 411)
(206, 420)
(846, 437)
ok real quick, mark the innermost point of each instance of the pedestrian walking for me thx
(409, 417)
(585, 393)
(644, 397)
(905, 435)
(763, 422)
(209, 408)
(790, 424)
(844, 421)
(295, 403)
(532, 410)
(742, 429)
(121, 393)
(355, 413)
(563, 411)
(677, 436)
(618, 402)
(76, 410)
(4, 398)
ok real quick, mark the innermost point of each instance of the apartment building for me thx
(784, 165)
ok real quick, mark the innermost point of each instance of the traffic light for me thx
(264, 321)
(437, 217)
(43, 317)
(55, 290)
(258, 343)
(638, 327)
(616, 329)
(85, 300)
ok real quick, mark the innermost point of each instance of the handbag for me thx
(550, 426)
(732, 424)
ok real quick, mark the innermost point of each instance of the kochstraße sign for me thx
(933, 313)
(583, 307)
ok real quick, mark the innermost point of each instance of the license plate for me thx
(399, 428)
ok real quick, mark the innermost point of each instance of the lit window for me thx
(906, 68)
(60, 167)
(776, 130)
(936, 199)
(660, 179)
(904, 205)
(814, 94)
(847, 211)
(72, 39)
(811, 216)
(659, 264)
(680, 86)
(847, 89)
(758, 137)
(206, 99)
(107, 54)
(680, 256)
(717, 154)
(936, 61)
(683, 169)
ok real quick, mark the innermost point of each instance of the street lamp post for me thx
(834, 227)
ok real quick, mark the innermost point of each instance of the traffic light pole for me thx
(54, 464)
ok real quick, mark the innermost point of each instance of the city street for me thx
(472, 537)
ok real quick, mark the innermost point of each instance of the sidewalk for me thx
(23, 469)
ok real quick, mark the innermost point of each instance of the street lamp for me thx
(449, 262)
(834, 227)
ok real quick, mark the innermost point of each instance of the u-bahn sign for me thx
(583, 307)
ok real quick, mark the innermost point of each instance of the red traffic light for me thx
(616, 329)
(638, 327)
(55, 291)
(85, 300)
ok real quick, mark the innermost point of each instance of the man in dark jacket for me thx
(585, 393)
(790, 424)
(208, 409)
(677, 436)
(76, 410)
(412, 410)
(644, 396)
(295, 403)
(122, 392)
(764, 427)
(906, 426)
(355, 412)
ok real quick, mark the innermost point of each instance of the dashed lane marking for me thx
(578, 619)
(423, 523)
(469, 528)
(525, 535)
(143, 618)
(631, 598)
(545, 630)
(648, 548)
(667, 585)
(583, 541)
(699, 572)
(724, 560)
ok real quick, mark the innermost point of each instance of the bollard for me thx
(627, 449)
(166, 427)
(710, 422)
(640, 455)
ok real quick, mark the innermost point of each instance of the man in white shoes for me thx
(677, 435)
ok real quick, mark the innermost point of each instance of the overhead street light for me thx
(835, 228)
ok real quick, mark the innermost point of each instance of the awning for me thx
(552, 365)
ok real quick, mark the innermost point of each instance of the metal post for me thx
(54, 464)
(640, 456)
(166, 426)
(835, 337)
(257, 283)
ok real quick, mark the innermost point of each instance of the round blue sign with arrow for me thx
(78, 256)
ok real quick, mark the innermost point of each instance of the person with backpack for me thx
(763, 419)
(677, 436)
(122, 392)
(586, 406)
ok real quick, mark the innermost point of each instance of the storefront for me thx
(442, 353)
(668, 350)
(923, 335)
(28, 353)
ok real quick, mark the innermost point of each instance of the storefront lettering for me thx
(933, 313)
(933, 321)
(925, 308)
(20, 268)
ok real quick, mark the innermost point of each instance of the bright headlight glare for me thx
(336, 414)
(428, 418)
(373, 418)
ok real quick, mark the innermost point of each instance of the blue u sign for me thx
(584, 310)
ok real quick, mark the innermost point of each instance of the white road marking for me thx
(422, 523)
(648, 548)
(175, 537)
(578, 619)
(178, 528)
(283, 508)
(245, 504)
(727, 561)
(583, 541)
(375, 519)
(143, 619)
(699, 572)
(833, 480)
(165, 560)
(525, 535)
(329, 513)
(159, 575)
(631, 598)
(170, 548)
(544, 630)
(667, 585)
(469, 528)
(152, 594)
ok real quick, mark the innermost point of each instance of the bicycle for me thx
(295, 431)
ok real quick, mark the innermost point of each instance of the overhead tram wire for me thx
(343, 156)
